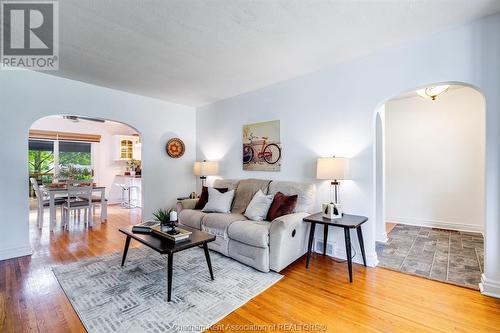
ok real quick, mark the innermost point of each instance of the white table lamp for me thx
(205, 168)
(334, 169)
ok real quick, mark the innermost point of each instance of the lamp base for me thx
(203, 180)
(332, 211)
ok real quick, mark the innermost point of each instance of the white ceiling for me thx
(195, 52)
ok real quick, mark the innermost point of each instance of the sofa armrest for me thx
(287, 240)
(288, 222)
(186, 204)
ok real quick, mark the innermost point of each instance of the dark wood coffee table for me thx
(165, 246)
(347, 222)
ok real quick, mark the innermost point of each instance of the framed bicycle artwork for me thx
(262, 146)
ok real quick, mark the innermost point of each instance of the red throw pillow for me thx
(282, 205)
(202, 201)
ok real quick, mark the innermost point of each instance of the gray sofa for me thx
(263, 245)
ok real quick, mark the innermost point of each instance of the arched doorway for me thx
(430, 183)
(104, 152)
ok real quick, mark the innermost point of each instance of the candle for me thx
(173, 216)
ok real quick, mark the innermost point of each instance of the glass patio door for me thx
(41, 161)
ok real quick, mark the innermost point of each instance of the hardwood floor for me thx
(389, 226)
(378, 300)
(33, 300)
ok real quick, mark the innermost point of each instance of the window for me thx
(75, 153)
(41, 160)
(75, 160)
(67, 159)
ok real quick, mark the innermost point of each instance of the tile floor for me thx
(445, 255)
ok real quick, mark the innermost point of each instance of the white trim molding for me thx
(489, 287)
(15, 252)
(437, 224)
(381, 237)
(371, 258)
(339, 253)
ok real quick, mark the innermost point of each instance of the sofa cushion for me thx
(256, 257)
(281, 205)
(218, 202)
(221, 245)
(186, 204)
(191, 218)
(203, 199)
(217, 223)
(259, 206)
(245, 191)
(230, 184)
(254, 233)
(305, 192)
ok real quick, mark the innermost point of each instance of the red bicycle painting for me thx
(262, 146)
(259, 149)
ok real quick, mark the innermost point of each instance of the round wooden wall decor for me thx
(175, 148)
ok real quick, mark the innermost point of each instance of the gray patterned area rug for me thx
(451, 256)
(109, 298)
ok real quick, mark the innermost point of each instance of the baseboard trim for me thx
(371, 258)
(338, 253)
(16, 252)
(489, 287)
(382, 238)
(436, 224)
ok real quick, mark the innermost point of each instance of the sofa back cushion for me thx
(245, 191)
(230, 184)
(305, 193)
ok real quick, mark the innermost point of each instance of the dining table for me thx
(52, 192)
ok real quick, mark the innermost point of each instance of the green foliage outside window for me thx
(75, 165)
(41, 165)
(75, 172)
(75, 158)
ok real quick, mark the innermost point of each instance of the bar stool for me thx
(128, 204)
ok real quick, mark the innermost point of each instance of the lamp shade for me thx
(332, 168)
(205, 168)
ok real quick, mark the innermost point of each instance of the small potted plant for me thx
(163, 216)
(132, 166)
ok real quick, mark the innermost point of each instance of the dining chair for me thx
(42, 202)
(96, 200)
(79, 197)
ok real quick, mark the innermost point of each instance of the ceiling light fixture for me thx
(76, 119)
(433, 92)
(72, 118)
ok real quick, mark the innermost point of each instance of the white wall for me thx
(105, 167)
(435, 160)
(27, 96)
(332, 112)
